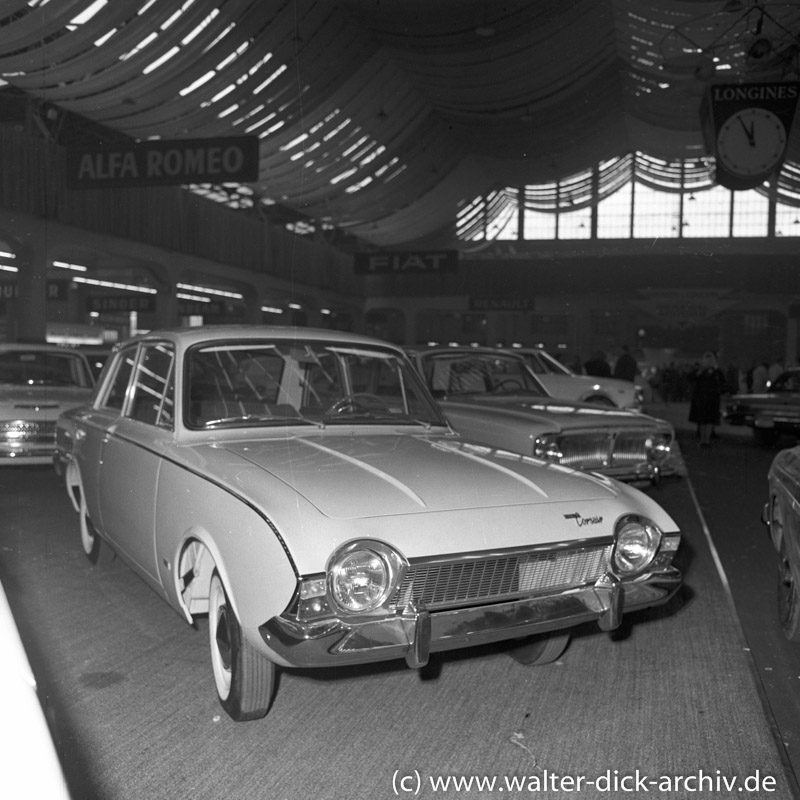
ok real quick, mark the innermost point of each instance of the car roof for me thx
(37, 347)
(465, 348)
(288, 333)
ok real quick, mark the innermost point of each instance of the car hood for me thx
(426, 494)
(383, 475)
(615, 385)
(552, 413)
(35, 402)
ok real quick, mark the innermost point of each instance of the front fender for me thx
(246, 549)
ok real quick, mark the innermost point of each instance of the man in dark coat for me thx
(707, 384)
(597, 365)
(626, 368)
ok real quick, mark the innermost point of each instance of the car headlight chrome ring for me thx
(362, 576)
(659, 446)
(548, 447)
(636, 544)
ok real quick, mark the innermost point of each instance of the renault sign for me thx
(163, 163)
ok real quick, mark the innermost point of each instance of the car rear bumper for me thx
(416, 633)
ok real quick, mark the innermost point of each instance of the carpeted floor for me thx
(129, 689)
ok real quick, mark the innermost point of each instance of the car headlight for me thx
(362, 576)
(659, 446)
(548, 447)
(637, 542)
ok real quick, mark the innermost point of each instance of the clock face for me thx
(751, 142)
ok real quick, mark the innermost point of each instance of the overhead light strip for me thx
(68, 265)
(208, 290)
(195, 297)
(113, 285)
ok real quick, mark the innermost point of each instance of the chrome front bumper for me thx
(416, 633)
(26, 454)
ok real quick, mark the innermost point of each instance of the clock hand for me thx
(749, 132)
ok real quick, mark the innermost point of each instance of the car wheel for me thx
(788, 594)
(244, 678)
(538, 650)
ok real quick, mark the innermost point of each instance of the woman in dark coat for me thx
(707, 385)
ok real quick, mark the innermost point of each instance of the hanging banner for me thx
(121, 303)
(161, 163)
(404, 262)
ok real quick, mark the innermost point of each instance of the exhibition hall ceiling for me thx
(381, 118)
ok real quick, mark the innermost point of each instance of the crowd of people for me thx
(625, 367)
(702, 383)
(675, 382)
(672, 383)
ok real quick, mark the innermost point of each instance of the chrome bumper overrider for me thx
(416, 633)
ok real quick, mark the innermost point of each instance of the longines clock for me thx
(751, 142)
(746, 127)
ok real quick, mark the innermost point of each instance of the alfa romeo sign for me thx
(162, 163)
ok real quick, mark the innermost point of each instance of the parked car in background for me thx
(303, 489)
(782, 514)
(770, 413)
(560, 381)
(97, 357)
(37, 383)
(31, 767)
(492, 397)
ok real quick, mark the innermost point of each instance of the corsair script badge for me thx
(581, 521)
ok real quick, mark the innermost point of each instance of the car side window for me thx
(115, 396)
(153, 400)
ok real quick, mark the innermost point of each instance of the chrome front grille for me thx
(604, 449)
(586, 450)
(465, 581)
(28, 432)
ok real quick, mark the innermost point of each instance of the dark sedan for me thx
(771, 413)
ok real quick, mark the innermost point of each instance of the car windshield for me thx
(450, 374)
(265, 383)
(37, 368)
